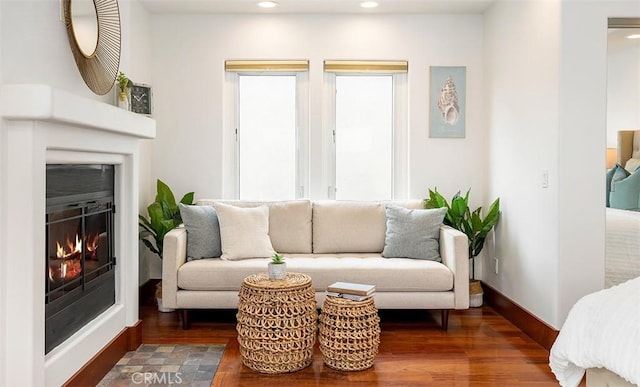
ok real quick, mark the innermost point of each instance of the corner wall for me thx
(521, 84)
(546, 90)
(582, 139)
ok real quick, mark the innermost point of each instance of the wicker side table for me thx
(349, 333)
(277, 323)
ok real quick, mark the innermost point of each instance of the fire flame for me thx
(61, 252)
(68, 264)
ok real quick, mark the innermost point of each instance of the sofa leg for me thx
(445, 318)
(185, 318)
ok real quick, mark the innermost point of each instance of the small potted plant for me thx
(277, 267)
(164, 216)
(473, 224)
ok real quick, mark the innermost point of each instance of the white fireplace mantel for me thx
(41, 125)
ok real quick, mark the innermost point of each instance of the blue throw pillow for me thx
(615, 174)
(203, 231)
(625, 193)
(413, 233)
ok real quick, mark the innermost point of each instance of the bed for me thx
(622, 240)
(601, 335)
(602, 332)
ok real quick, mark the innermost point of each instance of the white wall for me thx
(546, 87)
(623, 92)
(189, 53)
(521, 74)
(35, 48)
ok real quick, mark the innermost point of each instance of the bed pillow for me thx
(244, 232)
(203, 231)
(625, 193)
(413, 233)
(632, 165)
(615, 174)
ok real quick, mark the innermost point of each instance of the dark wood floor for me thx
(480, 348)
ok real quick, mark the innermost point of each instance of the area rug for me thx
(166, 365)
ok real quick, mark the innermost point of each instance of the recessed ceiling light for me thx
(634, 36)
(369, 4)
(267, 4)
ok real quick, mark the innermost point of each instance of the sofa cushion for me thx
(348, 227)
(289, 223)
(389, 275)
(413, 233)
(203, 231)
(244, 232)
(352, 226)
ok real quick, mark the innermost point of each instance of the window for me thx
(358, 149)
(267, 137)
(368, 113)
(271, 157)
(364, 137)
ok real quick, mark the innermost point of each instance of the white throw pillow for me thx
(244, 232)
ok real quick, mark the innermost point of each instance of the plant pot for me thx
(475, 293)
(159, 299)
(277, 271)
(123, 100)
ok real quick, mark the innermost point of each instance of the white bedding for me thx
(622, 246)
(603, 331)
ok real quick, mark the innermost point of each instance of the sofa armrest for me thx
(174, 255)
(454, 250)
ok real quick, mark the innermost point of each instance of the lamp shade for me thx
(612, 155)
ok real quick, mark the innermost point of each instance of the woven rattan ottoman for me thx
(349, 333)
(277, 323)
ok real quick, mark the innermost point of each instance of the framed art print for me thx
(447, 101)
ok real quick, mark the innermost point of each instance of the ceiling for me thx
(318, 6)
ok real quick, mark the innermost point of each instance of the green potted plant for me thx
(277, 267)
(124, 89)
(471, 223)
(164, 216)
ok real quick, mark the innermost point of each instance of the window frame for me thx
(232, 146)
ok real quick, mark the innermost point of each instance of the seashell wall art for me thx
(447, 92)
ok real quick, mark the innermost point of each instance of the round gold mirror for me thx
(85, 25)
(93, 30)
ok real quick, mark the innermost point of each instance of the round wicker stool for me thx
(277, 323)
(349, 333)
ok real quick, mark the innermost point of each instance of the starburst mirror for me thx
(93, 29)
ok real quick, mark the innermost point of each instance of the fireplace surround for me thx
(41, 125)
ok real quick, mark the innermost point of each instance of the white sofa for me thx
(330, 241)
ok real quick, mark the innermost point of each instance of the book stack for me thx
(351, 291)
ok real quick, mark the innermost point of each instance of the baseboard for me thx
(538, 330)
(97, 367)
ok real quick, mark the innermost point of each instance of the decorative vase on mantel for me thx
(277, 268)
(123, 100)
